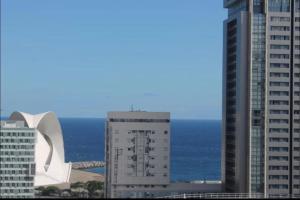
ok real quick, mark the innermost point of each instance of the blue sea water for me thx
(195, 146)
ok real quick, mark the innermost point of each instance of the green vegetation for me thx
(50, 191)
(90, 189)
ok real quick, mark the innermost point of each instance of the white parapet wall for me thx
(51, 168)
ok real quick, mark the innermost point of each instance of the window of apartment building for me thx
(278, 130)
(277, 177)
(280, 19)
(279, 149)
(297, 130)
(278, 167)
(279, 93)
(279, 65)
(297, 19)
(279, 112)
(279, 158)
(280, 121)
(278, 46)
(279, 56)
(277, 74)
(279, 5)
(297, 56)
(280, 28)
(297, 28)
(297, 112)
(297, 5)
(278, 186)
(279, 84)
(276, 139)
(297, 121)
(297, 47)
(279, 37)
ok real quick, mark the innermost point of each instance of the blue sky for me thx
(83, 58)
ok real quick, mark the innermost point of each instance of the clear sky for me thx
(83, 58)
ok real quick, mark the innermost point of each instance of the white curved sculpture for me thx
(49, 150)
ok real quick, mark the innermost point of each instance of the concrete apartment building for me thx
(137, 153)
(261, 97)
(17, 160)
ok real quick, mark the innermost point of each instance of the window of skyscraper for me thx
(279, 5)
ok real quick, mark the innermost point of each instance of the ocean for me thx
(195, 146)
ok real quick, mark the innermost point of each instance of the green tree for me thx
(92, 186)
(77, 185)
(50, 190)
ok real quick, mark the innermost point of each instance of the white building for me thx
(17, 161)
(51, 168)
(137, 153)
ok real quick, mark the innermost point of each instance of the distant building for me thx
(137, 153)
(17, 160)
(261, 97)
(51, 168)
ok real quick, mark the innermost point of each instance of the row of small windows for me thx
(277, 177)
(271, 167)
(279, 37)
(279, 112)
(19, 166)
(283, 19)
(16, 178)
(279, 65)
(279, 5)
(280, 19)
(279, 84)
(279, 158)
(279, 93)
(278, 186)
(282, 102)
(278, 74)
(279, 149)
(280, 28)
(283, 65)
(278, 46)
(283, 130)
(16, 146)
(23, 134)
(279, 121)
(13, 171)
(278, 130)
(16, 184)
(141, 120)
(12, 140)
(280, 56)
(22, 159)
(17, 191)
(16, 153)
(279, 102)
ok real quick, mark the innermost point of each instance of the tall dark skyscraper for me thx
(261, 97)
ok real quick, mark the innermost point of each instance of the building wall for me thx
(137, 151)
(17, 165)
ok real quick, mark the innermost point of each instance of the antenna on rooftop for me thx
(131, 109)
